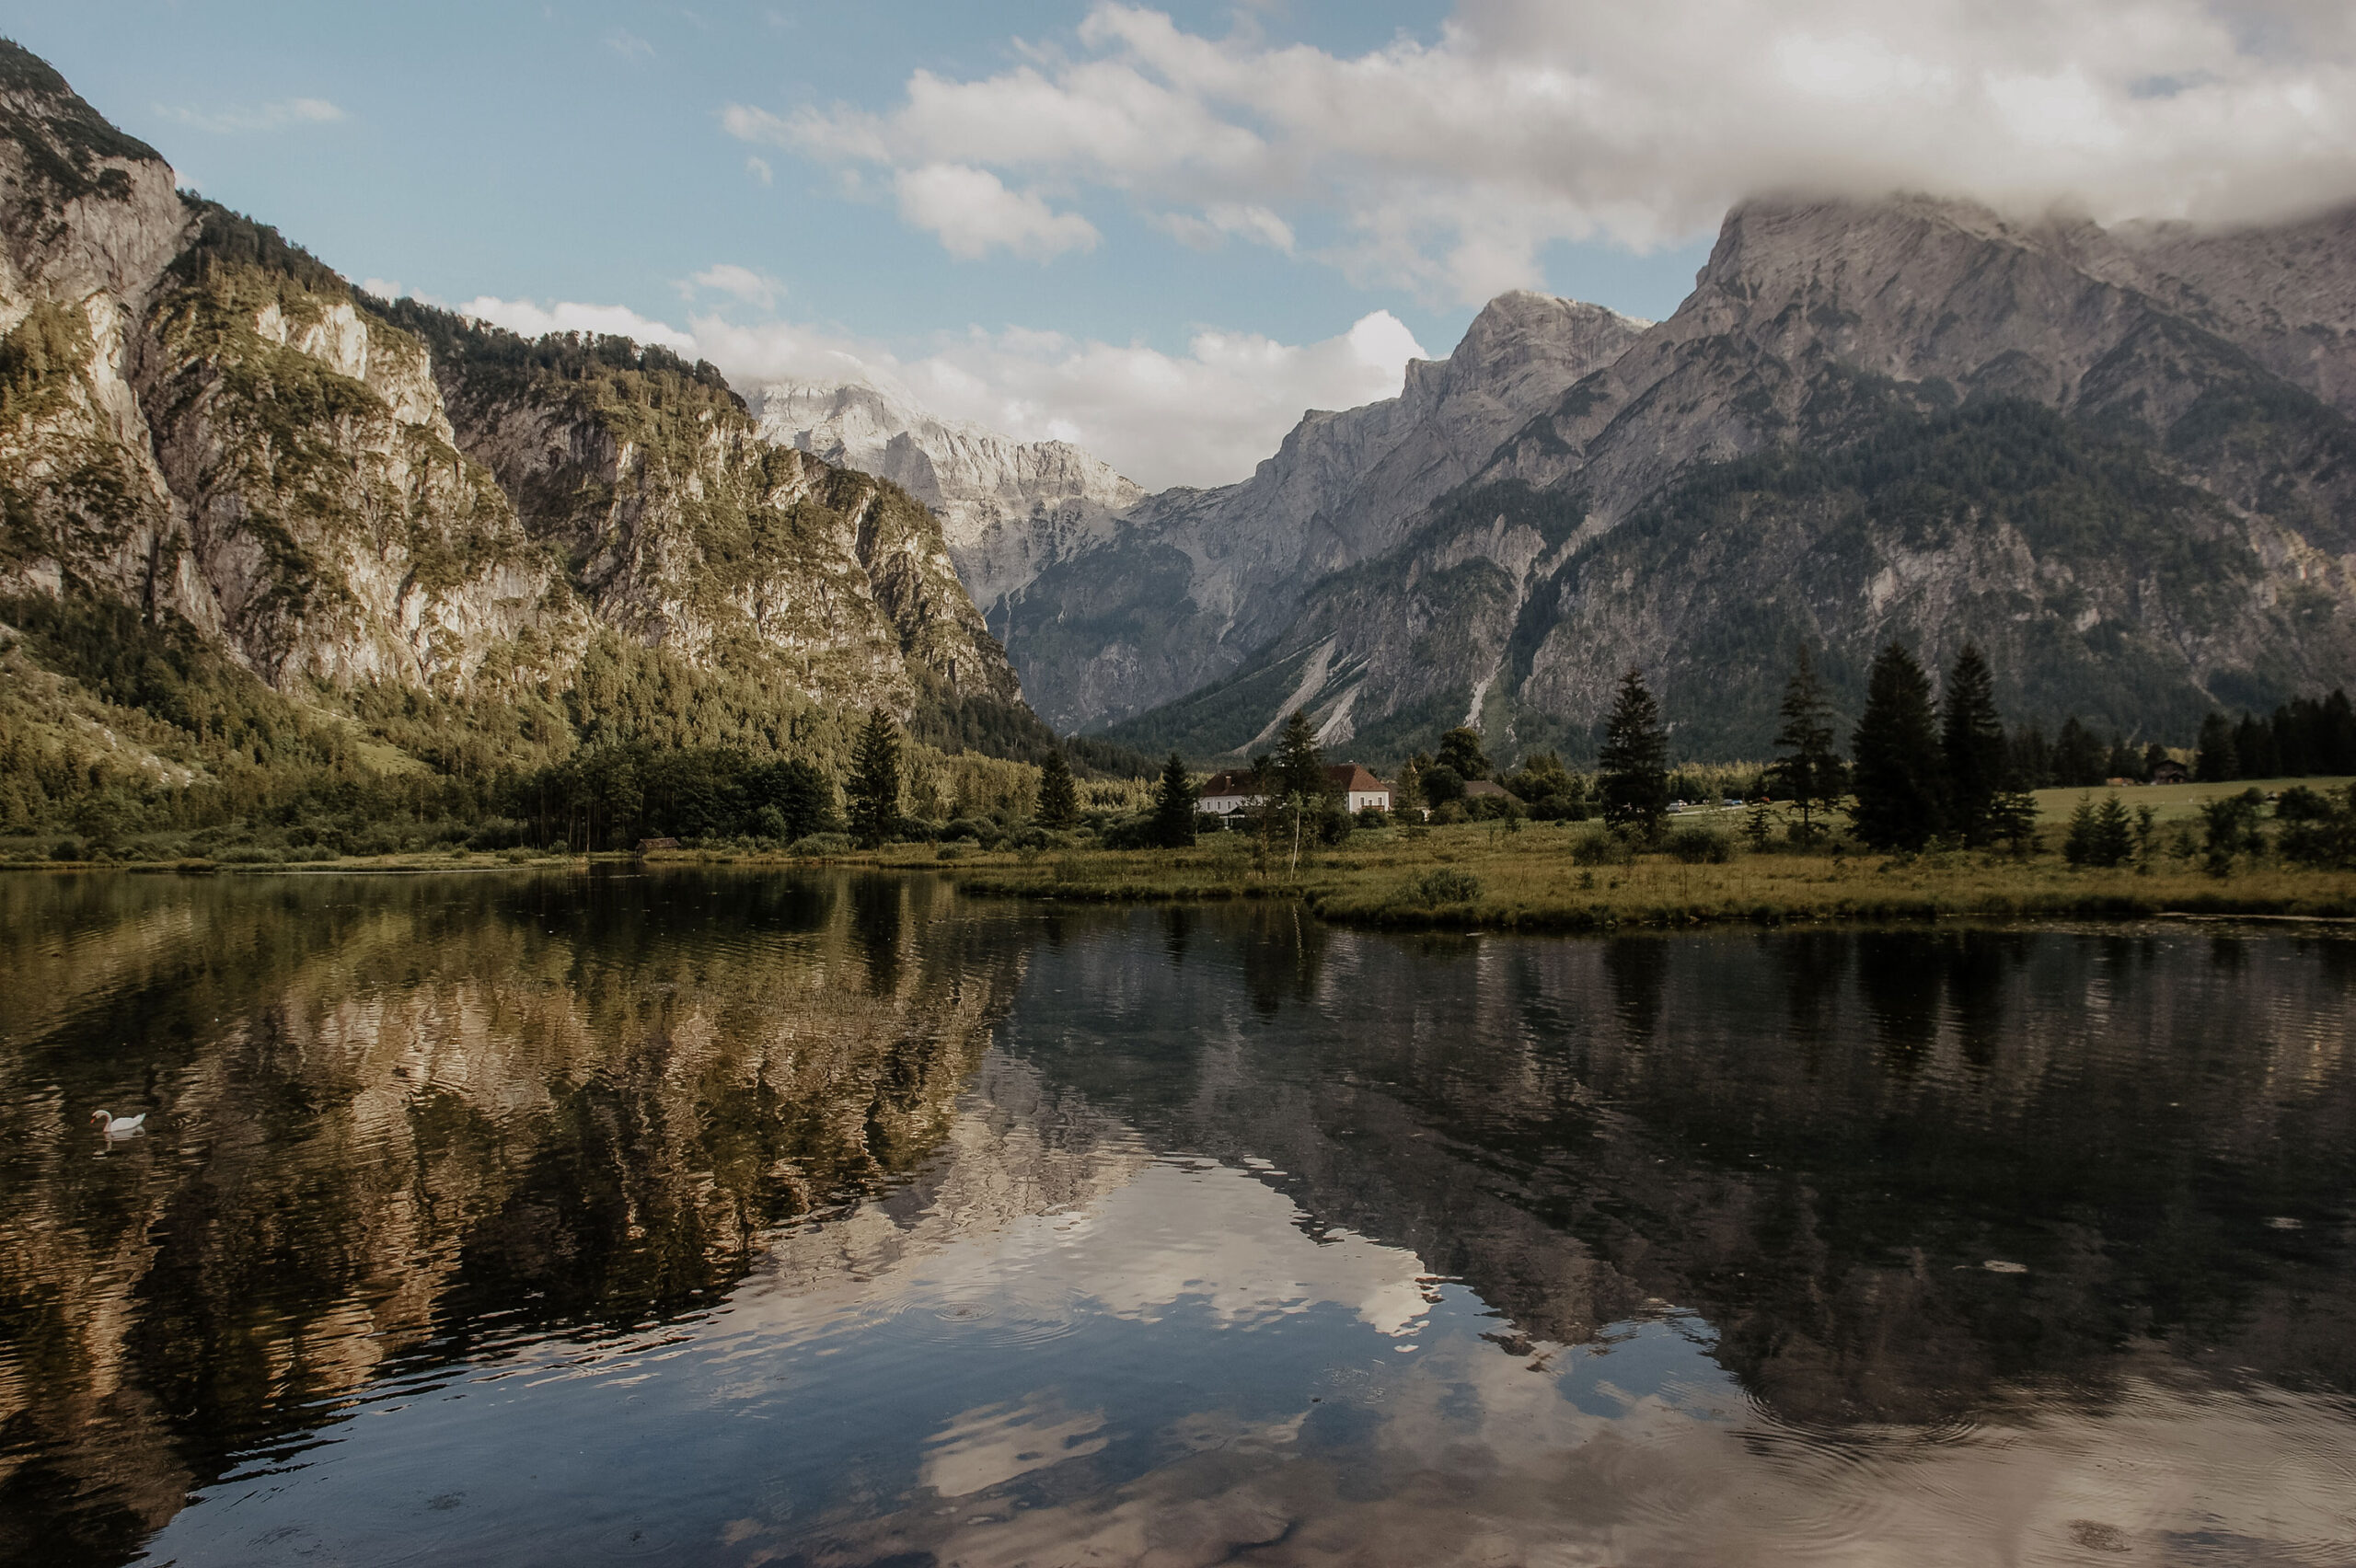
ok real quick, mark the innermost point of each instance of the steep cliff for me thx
(1192, 583)
(1907, 419)
(1008, 509)
(203, 427)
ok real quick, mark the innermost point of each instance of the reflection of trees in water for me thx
(1283, 955)
(1820, 1144)
(426, 1104)
(1638, 967)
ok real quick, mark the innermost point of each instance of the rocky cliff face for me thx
(201, 421)
(1008, 509)
(1192, 583)
(2119, 463)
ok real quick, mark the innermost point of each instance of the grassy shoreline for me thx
(1529, 881)
(1489, 876)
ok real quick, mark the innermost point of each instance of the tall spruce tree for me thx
(1897, 763)
(1174, 806)
(1299, 764)
(875, 780)
(1806, 769)
(1632, 768)
(2216, 761)
(1059, 799)
(1971, 742)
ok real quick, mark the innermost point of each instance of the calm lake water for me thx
(739, 1219)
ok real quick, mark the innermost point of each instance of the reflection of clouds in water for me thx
(1479, 1461)
(991, 1445)
(1090, 1223)
(1640, 1449)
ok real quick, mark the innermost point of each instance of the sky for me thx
(1164, 231)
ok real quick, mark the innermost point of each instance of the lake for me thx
(698, 1218)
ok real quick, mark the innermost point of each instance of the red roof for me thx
(1347, 777)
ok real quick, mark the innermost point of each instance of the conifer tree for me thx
(1174, 806)
(875, 780)
(1972, 746)
(1897, 748)
(1632, 768)
(2215, 761)
(1299, 764)
(1806, 769)
(1058, 800)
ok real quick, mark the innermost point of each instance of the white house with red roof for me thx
(1232, 790)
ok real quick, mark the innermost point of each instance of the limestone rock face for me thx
(1191, 583)
(2124, 464)
(1008, 509)
(201, 421)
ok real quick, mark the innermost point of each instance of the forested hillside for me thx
(276, 553)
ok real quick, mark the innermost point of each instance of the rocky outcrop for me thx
(201, 421)
(2119, 463)
(1009, 509)
(1192, 582)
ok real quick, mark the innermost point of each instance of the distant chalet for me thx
(1232, 791)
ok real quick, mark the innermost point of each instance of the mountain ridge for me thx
(1823, 329)
(344, 500)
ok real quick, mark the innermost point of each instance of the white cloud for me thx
(1204, 417)
(738, 282)
(237, 118)
(532, 320)
(974, 214)
(1451, 163)
(1221, 220)
(758, 168)
(628, 45)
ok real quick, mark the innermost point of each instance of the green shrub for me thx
(816, 845)
(1699, 846)
(1601, 846)
(1444, 884)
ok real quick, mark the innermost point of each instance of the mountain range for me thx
(212, 447)
(2123, 460)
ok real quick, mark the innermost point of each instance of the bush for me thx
(2299, 803)
(816, 845)
(1599, 848)
(1444, 885)
(2324, 840)
(948, 849)
(961, 829)
(1699, 846)
(66, 849)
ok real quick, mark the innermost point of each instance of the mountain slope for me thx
(1191, 583)
(1008, 509)
(1906, 419)
(400, 529)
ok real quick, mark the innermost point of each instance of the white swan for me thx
(116, 1127)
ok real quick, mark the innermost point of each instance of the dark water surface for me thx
(744, 1219)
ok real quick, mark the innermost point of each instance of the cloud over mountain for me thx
(1203, 417)
(1450, 164)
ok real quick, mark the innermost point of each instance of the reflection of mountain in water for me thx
(1819, 1142)
(393, 1121)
